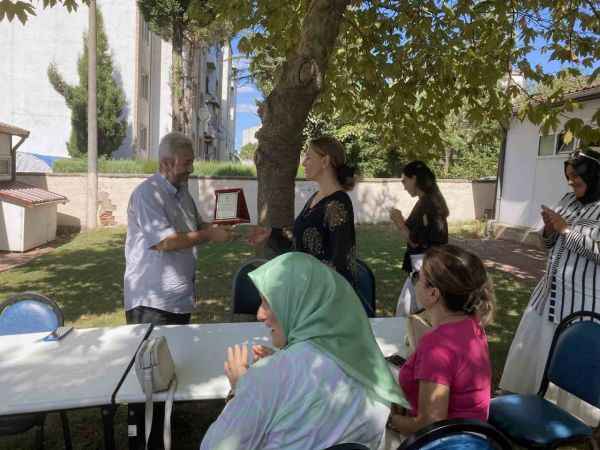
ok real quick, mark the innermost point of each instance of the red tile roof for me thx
(15, 131)
(27, 195)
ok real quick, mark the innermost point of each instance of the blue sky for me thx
(247, 94)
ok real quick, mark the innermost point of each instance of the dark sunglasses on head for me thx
(578, 153)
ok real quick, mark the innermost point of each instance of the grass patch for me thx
(85, 276)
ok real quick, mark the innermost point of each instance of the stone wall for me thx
(372, 198)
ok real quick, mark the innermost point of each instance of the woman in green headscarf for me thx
(328, 384)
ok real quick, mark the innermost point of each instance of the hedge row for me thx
(201, 168)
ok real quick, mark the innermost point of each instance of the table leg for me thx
(108, 416)
(136, 426)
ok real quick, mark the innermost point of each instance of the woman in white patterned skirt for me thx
(571, 282)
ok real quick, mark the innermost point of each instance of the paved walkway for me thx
(525, 262)
(10, 260)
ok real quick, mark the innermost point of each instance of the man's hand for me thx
(219, 233)
(237, 363)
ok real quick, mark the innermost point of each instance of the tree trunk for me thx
(285, 110)
(177, 79)
(447, 159)
(92, 123)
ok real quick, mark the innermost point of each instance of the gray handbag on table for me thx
(155, 371)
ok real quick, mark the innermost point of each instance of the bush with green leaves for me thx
(139, 166)
(112, 126)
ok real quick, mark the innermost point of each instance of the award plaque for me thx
(230, 207)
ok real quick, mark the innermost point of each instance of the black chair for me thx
(245, 298)
(30, 313)
(457, 434)
(574, 366)
(365, 287)
(348, 446)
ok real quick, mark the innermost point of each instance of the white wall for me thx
(531, 180)
(371, 198)
(12, 226)
(54, 35)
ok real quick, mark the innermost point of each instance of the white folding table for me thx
(199, 353)
(84, 369)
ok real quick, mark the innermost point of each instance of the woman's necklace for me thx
(451, 317)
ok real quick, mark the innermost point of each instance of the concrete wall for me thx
(531, 180)
(372, 198)
(55, 35)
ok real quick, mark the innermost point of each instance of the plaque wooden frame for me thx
(241, 210)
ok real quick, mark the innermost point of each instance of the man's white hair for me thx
(173, 144)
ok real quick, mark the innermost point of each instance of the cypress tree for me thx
(110, 99)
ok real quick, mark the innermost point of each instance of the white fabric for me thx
(526, 361)
(391, 440)
(298, 398)
(407, 301)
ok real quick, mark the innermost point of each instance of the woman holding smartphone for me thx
(571, 234)
(425, 227)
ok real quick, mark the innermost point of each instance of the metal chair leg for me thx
(40, 434)
(66, 430)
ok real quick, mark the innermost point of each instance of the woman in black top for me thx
(325, 226)
(425, 227)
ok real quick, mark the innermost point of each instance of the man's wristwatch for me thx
(566, 231)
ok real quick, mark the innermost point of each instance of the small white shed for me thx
(27, 213)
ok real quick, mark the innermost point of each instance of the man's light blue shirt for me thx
(160, 279)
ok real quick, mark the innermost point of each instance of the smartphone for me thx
(396, 360)
(58, 334)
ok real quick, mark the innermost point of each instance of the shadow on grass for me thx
(84, 275)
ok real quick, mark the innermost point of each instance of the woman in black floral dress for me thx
(325, 226)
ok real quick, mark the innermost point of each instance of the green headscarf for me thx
(314, 303)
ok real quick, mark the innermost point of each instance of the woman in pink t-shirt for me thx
(449, 375)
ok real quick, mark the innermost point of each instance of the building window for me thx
(5, 166)
(554, 144)
(561, 147)
(546, 145)
(145, 86)
(143, 144)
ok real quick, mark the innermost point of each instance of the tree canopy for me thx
(402, 65)
(401, 68)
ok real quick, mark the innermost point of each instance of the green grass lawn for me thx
(85, 276)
